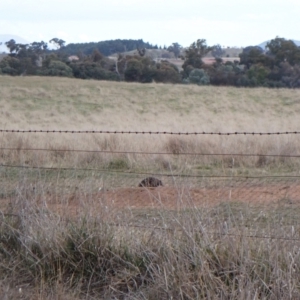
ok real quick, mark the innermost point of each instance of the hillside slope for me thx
(61, 103)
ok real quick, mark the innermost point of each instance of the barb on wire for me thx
(146, 132)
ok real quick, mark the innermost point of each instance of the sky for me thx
(234, 23)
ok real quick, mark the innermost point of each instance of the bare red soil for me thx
(180, 198)
(166, 198)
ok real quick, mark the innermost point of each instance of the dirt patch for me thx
(181, 198)
(174, 198)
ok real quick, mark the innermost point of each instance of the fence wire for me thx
(149, 153)
(264, 206)
(195, 188)
(146, 132)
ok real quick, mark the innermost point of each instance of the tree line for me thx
(107, 48)
(276, 66)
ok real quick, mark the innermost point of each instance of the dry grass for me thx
(231, 251)
(60, 103)
(226, 251)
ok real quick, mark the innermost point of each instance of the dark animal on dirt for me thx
(150, 182)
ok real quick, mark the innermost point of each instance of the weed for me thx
(118, 164)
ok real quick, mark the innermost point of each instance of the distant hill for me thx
(7, 37)
(108, 47)
(264, 44)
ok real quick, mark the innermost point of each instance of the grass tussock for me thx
(188, 154)
(195, 254)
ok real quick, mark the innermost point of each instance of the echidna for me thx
(150, 182)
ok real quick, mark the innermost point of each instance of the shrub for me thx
(133, 70)
(92, 71)
(243, 80)
(199, 76)
(167, 72)
(10, 66)
(258, 74)
(118, 163)
(57, 68)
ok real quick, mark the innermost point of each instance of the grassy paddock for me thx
(60, 103)
(68, 104)
(58, 151)
(231, 250)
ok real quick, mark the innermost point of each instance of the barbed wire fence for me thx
(146, 132)
(169, 178)
(181, 190)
